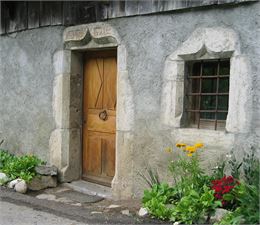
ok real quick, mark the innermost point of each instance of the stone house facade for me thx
(186, 73)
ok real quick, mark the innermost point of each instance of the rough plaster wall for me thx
(26, 81)
(26, 87)
(149, 40)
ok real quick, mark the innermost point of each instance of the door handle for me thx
(103, 115)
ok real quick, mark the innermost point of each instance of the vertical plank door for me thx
(99, 117)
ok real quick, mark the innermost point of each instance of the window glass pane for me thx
(207, 115)
(193, 118)
(223, 102)
(195, 102)
(221, 116)
(195, 83)
(209, 85)
(192, 102)
(224, 68)
(196, 69)
(209, 68)
(208, 102)
(223, 85)
(203, 94)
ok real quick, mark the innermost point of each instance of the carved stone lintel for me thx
(76, 33)
(100, 33)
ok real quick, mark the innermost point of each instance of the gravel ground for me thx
(12, 214)
(21, 209)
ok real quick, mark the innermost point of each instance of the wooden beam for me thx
(33, 15)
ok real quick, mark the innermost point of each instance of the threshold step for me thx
(89, 188)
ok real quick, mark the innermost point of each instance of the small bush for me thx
(247, 211)
(194, 206)
(157, 199)
(18, 167)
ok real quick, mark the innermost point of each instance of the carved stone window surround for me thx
(208, 43)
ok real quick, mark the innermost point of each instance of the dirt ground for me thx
(68, 204)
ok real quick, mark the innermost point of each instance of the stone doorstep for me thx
(97, 204)
(90, 188)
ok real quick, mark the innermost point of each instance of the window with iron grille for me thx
(207, 92)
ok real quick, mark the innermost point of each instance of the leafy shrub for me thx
(189, 200)
(187, 173)
(5, 157)
(157, 199)
(247, 211)
(194, 206)
(18, 167)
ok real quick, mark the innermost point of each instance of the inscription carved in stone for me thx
(75, 33)
(101, 31)
(95, 31)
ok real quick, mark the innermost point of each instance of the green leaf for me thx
(228, 197)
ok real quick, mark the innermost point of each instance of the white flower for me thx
(228, 155)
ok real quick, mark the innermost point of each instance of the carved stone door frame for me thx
(66, 139)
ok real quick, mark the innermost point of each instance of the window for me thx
(207, 86)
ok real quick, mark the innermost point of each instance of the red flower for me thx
(218, 196)
(227, 189)
(217, 188)
(223, 186)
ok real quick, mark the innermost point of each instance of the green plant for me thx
(194, 206)
(247, 211)
(187, 173)
(219, 170)
(151, 178)
(251, 168)
(157, 200)
(234, 165)
(5, 157)
(223, 187)
(22, 167)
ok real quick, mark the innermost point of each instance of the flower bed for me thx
(196, 196)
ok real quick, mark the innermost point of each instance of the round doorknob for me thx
(103, 115)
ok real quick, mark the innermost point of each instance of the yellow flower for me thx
(180, 145)
(168, 149)
(190, 149)
(199, 145)
(189, 154)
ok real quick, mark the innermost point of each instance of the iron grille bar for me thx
(206, 110)
(206, 77)
(216, 119)
(214, 94)
(197, 103)
(201, 69)
(212, 120)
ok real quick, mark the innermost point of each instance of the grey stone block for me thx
(46, 170)
(42, 182)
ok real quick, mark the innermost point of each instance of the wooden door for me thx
(99, 117)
